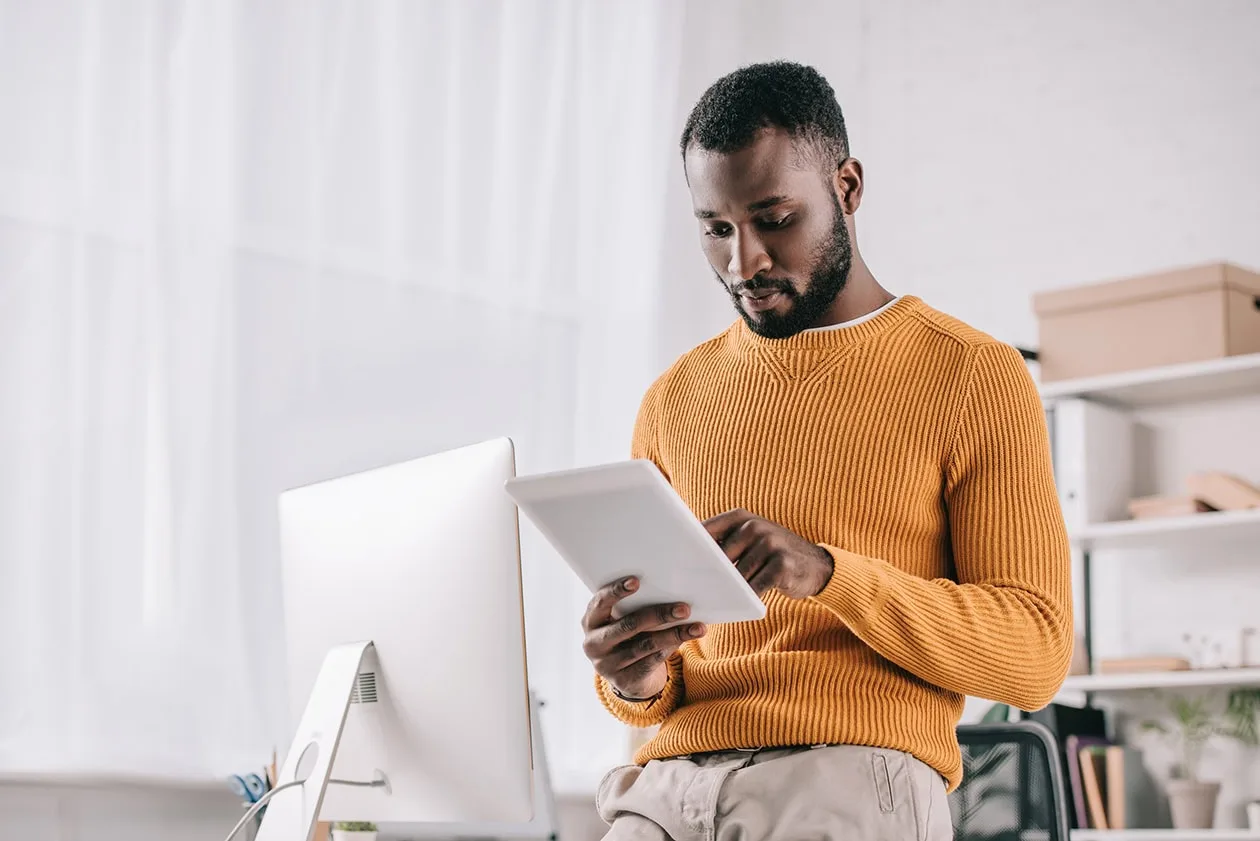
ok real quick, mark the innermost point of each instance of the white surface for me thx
(615, 520)
(1232, 376)
(83, 810)
(1194, 532)
(421, 558)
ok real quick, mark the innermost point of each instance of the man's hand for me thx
(630, 652)
(768, 555)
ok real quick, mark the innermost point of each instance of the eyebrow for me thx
(763, 204)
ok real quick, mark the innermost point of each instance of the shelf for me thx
(1233, 376)
(1162, 680)
(1165, 835)
(1171, 532)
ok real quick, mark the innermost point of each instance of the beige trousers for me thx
(832, 792)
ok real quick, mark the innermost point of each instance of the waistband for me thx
(759, 753)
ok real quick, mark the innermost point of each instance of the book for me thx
(1151, 507)
(1078, 750)
(1094, 784)
(1110, 787)
(1115, 761)
(1223, 491)
(1064, 721)
(1133, 799)
(1133, 665)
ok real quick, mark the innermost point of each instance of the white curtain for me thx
(247, 245)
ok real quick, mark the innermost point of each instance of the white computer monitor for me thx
(404, 619)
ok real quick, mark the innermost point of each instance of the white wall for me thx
(1012, 147)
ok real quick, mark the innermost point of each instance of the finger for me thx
(600, 641)
(723, 524)
(652, 647)
(754, 559)
(743, 538)
(767, 576)
(599, 610)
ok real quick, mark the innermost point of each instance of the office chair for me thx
(1012, 784)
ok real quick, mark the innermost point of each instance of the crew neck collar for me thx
(845, 335)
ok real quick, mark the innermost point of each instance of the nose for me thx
(749, 257)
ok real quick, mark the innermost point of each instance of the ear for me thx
(847, 182)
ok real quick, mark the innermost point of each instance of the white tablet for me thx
(617, 520)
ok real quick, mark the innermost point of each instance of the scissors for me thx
(249, 787)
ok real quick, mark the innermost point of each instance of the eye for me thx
(718, 231)
(777, 222)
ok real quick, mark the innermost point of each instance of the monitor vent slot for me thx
(364, 689)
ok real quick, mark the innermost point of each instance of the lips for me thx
(762, 301)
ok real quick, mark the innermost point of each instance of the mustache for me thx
(761, 284)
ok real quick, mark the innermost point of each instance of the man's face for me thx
(773, 231)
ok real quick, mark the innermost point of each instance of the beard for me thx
(834, 258)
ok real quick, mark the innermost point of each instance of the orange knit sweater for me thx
(914, 449)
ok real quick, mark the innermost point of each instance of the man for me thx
(878, 471)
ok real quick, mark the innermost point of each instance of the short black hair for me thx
(781, 94)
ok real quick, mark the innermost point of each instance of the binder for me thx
(1094, 465)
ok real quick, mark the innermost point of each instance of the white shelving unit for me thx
(1095, 471)
(1175, 385)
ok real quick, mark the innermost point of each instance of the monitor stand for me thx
(292, 814)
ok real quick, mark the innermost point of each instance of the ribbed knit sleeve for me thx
(646, 714)
(1003, 630)
(644, 442)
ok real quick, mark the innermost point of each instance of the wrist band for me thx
(649, 701)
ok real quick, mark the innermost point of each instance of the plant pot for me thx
(1193, 803)
(345, 835)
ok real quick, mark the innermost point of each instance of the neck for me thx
(861, 294)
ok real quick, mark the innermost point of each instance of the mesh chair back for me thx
(1012, 786)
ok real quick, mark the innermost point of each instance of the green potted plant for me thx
(1192, 799)
(354, 831)
(1243, 711)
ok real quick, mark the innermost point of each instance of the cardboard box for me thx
(1186, 315)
